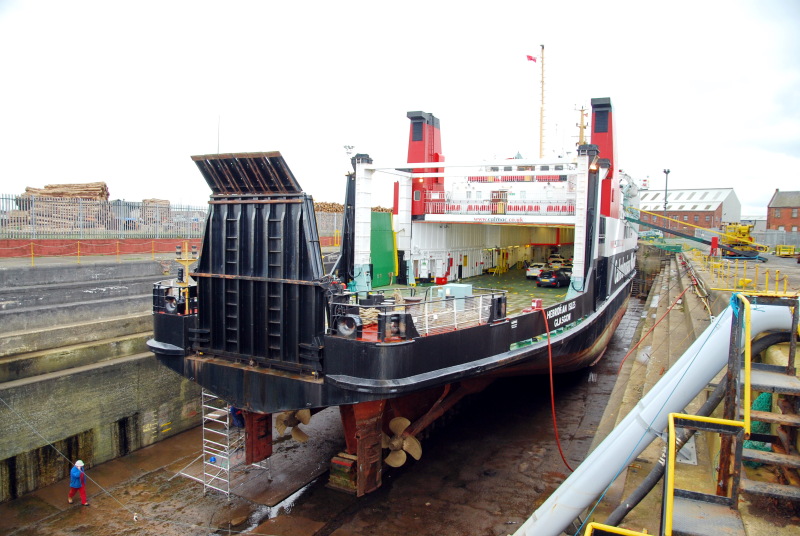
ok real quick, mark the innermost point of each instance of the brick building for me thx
(707, 208)
(783, 211)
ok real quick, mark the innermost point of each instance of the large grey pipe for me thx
(690, 374)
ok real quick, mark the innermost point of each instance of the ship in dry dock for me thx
(396, 333)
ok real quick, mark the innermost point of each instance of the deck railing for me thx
(432, 313)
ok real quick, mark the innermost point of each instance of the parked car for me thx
(556, 261)
(533, 271)
(553, 278)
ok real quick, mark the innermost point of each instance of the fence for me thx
(37, 218)
(34, 217)
(740, 275)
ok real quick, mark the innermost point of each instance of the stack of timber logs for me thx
(155, 210)
(66, 206)
(97, 191)
(326, 206)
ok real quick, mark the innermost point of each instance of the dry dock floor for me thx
(482, 473)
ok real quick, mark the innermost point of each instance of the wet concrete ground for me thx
(484, 471)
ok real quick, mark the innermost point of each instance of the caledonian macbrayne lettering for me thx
(563, 312)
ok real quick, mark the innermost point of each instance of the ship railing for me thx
(171, 296)
(549, 207)
(430, 313)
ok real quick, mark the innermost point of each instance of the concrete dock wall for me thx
(80, 384)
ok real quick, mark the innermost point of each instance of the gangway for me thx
(733, 253)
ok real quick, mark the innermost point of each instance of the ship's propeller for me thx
(399, 444)
(292, 419)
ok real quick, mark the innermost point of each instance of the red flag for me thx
(531, 58)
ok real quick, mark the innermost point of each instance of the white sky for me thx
(126, 92)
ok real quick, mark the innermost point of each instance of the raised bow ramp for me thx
(260, 299)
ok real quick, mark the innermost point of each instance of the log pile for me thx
(325, 206)
(66, 206)
(155, 210)
(97, 191)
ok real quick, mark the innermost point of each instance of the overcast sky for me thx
(126, 92)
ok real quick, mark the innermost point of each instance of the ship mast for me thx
(582, 127)
(541, 113)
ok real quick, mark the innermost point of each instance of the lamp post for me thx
(666, 182)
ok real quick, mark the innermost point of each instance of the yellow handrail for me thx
(747, 364)
(670, 487)
(590, 528)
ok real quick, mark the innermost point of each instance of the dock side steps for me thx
(783, 417)
(691, 513)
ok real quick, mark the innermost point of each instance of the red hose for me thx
(552, 389)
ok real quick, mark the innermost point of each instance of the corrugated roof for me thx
(683, 207)
(785, 200)
(684, 200)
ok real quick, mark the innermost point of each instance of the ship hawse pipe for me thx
(703, 360)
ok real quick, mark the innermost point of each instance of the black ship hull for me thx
(357, 371)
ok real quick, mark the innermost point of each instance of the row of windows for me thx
(676, 217)
(777, 212)
(557, 167)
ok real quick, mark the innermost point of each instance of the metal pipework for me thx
(646, 421)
